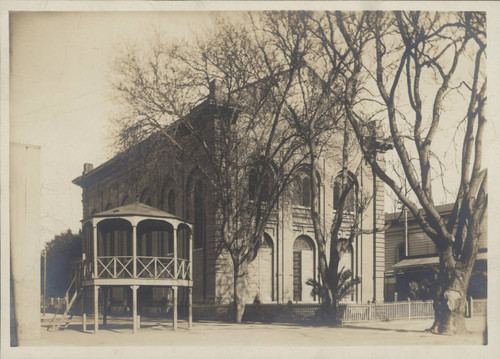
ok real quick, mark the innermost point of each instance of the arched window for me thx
(339, 186)
(302, 189)
(252, 184)
(171, 201)
(260, 184)
(146, 197)
(147, 246)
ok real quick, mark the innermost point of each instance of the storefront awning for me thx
(425, 262)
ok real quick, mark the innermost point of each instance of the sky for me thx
(60, 69)
(59, 94)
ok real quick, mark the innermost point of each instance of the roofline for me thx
(79, 180)
(97, 215)
(442, 209)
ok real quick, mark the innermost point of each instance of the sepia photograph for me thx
(220, 179)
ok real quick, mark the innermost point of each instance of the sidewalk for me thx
(158, 332)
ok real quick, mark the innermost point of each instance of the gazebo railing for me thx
(115, 267)
(183, 268)
(87, 269)
(147, 267)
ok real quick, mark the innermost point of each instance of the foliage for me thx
(424, 289)
(60, 251)
(346, 285)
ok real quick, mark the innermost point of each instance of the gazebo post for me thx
(134, 250)
(96, 309)
(190, 307)
(94, 239)
(134, 306)
(174, 289)
(175, 253)
(104, 312)
(84, 312)
(190, 288)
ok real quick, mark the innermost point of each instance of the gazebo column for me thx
(104, 312)
(174, 291)
(94, 239)
(84, 312)
(190, 289)
(134, 307)
(96, 309)
(134, 250)
(175, 253)
(190, 307)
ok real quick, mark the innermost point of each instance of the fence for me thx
(476, 307)
(222, 312)
(346, 313)
(355, 313)
(54, 304)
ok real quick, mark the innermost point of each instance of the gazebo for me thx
(132, 246)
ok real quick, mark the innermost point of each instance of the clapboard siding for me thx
(419, 243)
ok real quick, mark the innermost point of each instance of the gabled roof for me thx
(136, 209)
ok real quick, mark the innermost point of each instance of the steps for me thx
(64, 320)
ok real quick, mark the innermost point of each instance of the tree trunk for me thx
(330, 306)
(330, 291)
(239, 280)
(451, 295)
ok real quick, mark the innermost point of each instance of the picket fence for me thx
(355, 313)
(346, 313)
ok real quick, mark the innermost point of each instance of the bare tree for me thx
(243, 147)
(314, 109)
(421, 65)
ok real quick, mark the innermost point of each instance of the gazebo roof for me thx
(137, 209)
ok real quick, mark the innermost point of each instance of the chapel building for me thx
(153, 175)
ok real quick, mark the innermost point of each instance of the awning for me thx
(425, 262)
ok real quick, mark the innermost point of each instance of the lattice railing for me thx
(183, 269)
(155, 267)
(147, 267)
(88, 269)
(114, 267)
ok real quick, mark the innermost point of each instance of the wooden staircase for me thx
(75, 292)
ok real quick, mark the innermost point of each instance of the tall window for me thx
(148, 239)
(400, 252)
(125, 200)
(264, 182)
(303, 267)
(199, 216)
(171, 201)
(338, 190)
(302, 189)
(145, 197)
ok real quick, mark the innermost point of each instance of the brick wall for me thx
(271, 274)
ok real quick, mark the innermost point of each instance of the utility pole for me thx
(407, 244)
(378, 145)
(44, 254)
